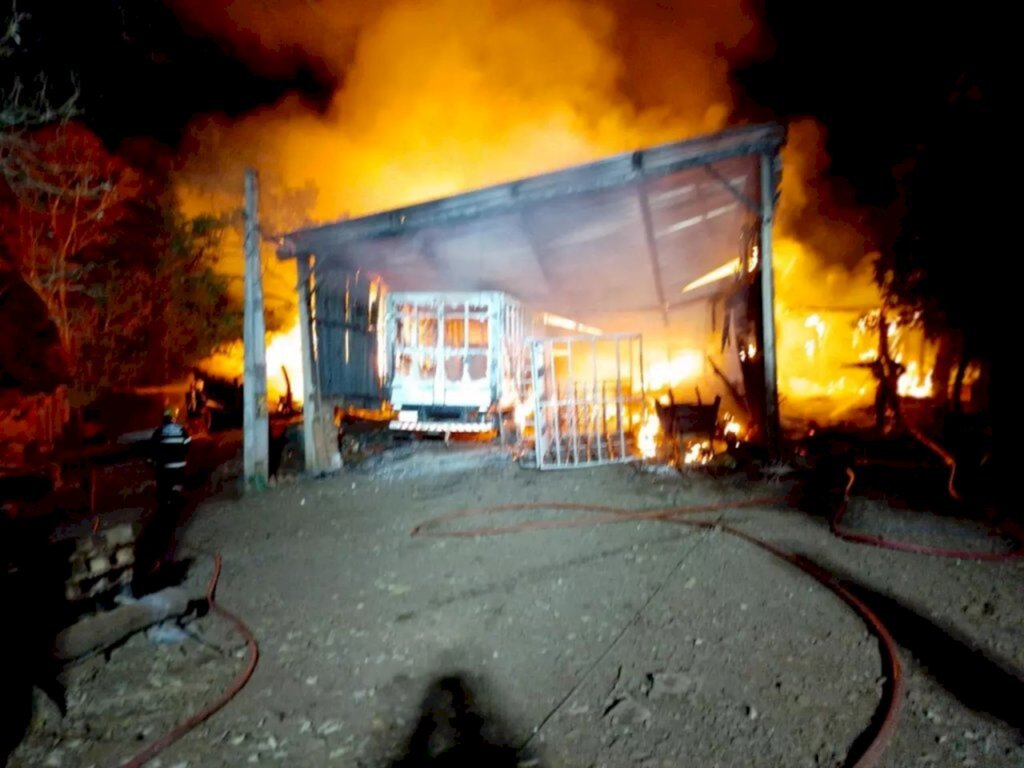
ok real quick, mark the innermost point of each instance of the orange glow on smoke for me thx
(440, 97)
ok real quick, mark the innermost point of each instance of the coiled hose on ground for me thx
(237, 684)
(884, 723)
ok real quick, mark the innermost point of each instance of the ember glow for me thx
(521, 414)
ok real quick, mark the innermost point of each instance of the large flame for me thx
(285, 351)
(439, 97)
(828, 301)
(827, 336)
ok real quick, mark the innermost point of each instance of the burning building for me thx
(670, 246)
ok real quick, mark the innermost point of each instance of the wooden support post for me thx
(256, 428)
(310, 385)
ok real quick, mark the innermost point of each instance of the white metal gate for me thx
(588, 399)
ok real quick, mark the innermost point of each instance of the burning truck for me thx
(453, 360)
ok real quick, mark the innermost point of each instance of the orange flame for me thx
(647, 437)
(680, 368)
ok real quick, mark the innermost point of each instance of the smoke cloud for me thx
(436, 97)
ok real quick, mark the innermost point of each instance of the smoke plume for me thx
(435, 97)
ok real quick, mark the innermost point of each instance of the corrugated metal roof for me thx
(610, 243)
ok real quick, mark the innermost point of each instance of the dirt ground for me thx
(634, 644)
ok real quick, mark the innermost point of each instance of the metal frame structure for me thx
(443, 244)
(585, 413)
(626, 168)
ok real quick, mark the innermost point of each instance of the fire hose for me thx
(598, 515)
(237, 684)
(892, 698)
(846, 534)
(882, 542)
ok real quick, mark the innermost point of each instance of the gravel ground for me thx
(630, 644)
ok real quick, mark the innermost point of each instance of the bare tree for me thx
(65, 211)
(24, 110)
(62, 193)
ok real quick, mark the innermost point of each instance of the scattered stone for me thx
(328, 727)
(627, 711)
(671, 684)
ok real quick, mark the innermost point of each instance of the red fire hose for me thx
(907, 546)
(892, 698)
(237, 684)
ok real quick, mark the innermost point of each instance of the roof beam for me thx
(652, 249)
(539, 190)
(748, 203)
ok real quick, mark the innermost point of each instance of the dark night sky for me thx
(140, 73)
(876, 75)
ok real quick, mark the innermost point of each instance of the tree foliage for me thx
(128, 281)
(68, 208)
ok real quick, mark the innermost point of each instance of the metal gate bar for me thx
(576, 423)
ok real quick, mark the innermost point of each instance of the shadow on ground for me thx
(452, 730)
(980, 682)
